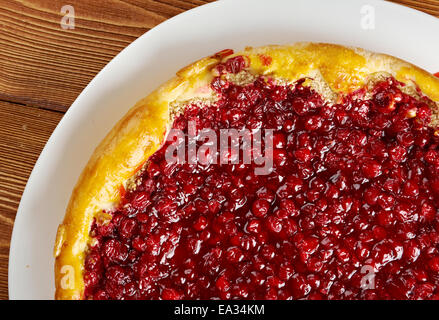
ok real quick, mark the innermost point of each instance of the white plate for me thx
(154, 58)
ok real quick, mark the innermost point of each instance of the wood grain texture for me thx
(23, 133)
(428, 6)
(43, 68)
(44, 65)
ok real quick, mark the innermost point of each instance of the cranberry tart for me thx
(349, 209)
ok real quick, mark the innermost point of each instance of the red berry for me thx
(371, 169)
(201, 223)
(170, 294)
(260, 208)
(303, 155)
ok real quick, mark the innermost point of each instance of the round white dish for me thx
(154, 58)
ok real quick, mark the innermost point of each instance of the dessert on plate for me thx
(343, 204)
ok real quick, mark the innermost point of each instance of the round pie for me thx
(344, 204)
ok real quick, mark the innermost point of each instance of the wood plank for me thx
(3, 278)
(23, 133)
(43, 65)
(428, 6)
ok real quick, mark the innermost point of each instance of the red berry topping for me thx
(353, 195)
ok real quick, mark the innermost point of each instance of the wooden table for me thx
(43, 68)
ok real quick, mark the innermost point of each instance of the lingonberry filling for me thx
(349, 211)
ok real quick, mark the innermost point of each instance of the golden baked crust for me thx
(141, 131)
